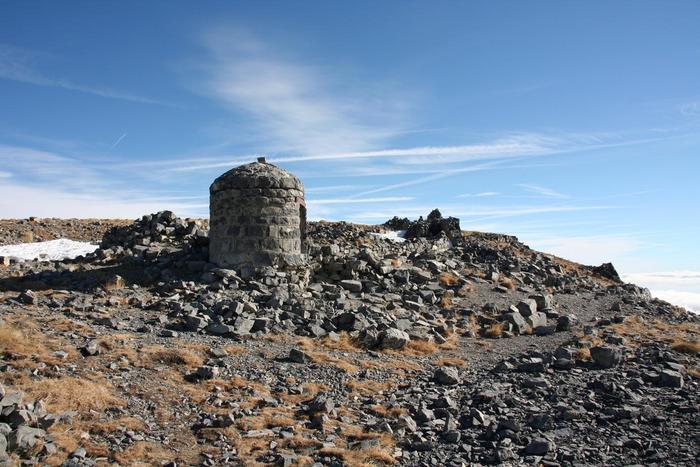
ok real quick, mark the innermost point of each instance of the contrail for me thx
(119, 140)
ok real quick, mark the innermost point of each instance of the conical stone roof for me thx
(256, 175)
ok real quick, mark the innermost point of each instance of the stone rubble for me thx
(511, 356)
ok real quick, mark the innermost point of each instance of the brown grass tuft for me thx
(367, 387)
(144, 453)
(388, 412)
(418, 347)
(451, 361)
(683, 337)
(689, 347)
(235, 349)
(448, 279)
(157, 355)
(360, 458)
(69, 393)
(344, 344)
(583, 353)
(494, 331)
(269, 417)
(508, 283)
(22, 341)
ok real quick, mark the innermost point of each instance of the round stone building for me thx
(257, 217)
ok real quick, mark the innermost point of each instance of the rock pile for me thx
(23, 427)
(155, 234)
(432, 227)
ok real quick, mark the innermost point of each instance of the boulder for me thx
(539, 447)
(516, 319)
(670, 378)
(24, 438)
(448, 376)
(606, 357)
(537, 319)
(351, 285)
(393, 339)
(527, 307)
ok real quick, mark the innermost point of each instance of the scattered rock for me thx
(606, 357)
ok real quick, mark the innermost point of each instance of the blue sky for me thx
(573, 125)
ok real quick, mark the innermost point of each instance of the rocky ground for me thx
(14, 231)
(449, 348)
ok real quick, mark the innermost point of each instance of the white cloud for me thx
(48, 184)
(680, 288)
(688, 300)
(294, 105)
(14, 65)
(592, 249)
(48, 167)
(542, 191)
(479, 213)
(19, 202)
(359, 200)
(691, 278)
(326, 189)
(482, 194)
(4, 174)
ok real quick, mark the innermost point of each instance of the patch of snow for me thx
(51, 250)
(393, 235)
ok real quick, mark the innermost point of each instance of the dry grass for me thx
(446, 301)
(360, 458)
(158, 355)
(451, 361)
(144, 453)
(343, 365)
(508, 283)
(688, 347)
(684, 337)
(108, 427)
(299, 442)
(308, 391)
(367, 387)
(69, 393)
(66, 441)
(343, 344)
(494, 331)
(484, 344)
(388, 412)
(238, 383)
(235, 349)
(474, 325)
(26, 347)
(268, 417)
(583, 353)
(417, 347)
(393, 365)
(448, 279)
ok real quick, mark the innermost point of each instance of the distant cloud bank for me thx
(680, 288)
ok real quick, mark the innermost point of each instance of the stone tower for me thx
(257, 217)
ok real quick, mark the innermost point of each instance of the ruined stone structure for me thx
(257, 217)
